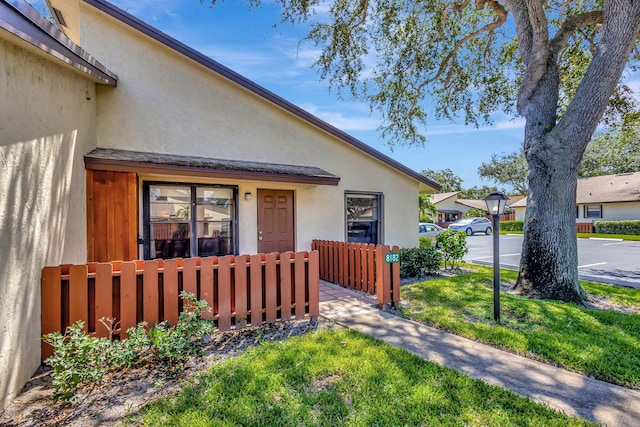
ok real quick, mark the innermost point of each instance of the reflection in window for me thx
(186, 220)
(363, 218)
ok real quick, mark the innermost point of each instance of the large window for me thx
(364, 217)
(184, 220)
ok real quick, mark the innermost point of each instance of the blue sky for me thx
(245, 41)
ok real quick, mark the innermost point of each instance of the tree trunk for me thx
(549, 262)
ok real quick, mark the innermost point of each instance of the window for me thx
(593, 211)
(183, 220)
(363, 217)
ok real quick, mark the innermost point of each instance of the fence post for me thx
(395, 279)
(383, 276)
(314, 286)
(51, 314)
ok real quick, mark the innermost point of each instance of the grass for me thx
(589, 235)
(600, 343)
(342, 378)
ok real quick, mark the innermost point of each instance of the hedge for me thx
(618, 227)
(511, 225)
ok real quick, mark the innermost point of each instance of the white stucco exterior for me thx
(167, 103)
(52, 115)
(46, 123)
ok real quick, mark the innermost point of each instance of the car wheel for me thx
(487, 231)
(469, 231)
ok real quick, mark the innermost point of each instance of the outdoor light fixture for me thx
(248, 196)
(496, 203)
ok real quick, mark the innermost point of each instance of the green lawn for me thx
(602, 343)
(342, 378)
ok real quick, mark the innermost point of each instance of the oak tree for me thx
(556, 63)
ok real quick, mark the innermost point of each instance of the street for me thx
(599, 260)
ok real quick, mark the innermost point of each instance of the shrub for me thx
(453, 246)
(618, 227)
(427, 241)
(80, 359)
(511, 225)
(419, 262)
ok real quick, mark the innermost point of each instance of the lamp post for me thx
(495, 206)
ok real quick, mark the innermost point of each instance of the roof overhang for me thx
(24, 26)
(171, 164)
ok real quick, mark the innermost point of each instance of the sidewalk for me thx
(571, 393)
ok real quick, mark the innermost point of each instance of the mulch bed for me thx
(125, 391)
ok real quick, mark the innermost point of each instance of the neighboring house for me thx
(451, 209)
(607, 198)
(153, 150)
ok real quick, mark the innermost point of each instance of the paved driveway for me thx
(605, 261)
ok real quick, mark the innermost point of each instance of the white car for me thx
(429, 229)
(472, 225)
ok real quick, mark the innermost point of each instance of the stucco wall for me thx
(168, 104)
(45, 122)
(613, 212)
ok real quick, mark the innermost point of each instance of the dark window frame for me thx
(380, 219)
(585, 211)
(146, 213)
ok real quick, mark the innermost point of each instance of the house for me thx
(607, 198)
(118, 142)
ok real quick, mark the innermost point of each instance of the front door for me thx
(275, 221)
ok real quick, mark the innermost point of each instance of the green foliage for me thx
(618, 227)
(427, 241)
(419, 262)
(507, 169)
(428, 211)
(511, 225)
(80, 359)
(478, 193)
(446, 178)
(474, 212)
(610, 153)
(453, 246)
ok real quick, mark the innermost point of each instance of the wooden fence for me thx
(241, 290)
(584, 227)
(361, 267)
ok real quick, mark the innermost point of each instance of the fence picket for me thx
(171, 291)
(224, 293)
(150, 292)
(300, 284)
(286, 285)
(78, 295)
(256, 290)
(103, 297)
(314, 285)
(190, 276)
(271, 282)
(51, 314)
(128, 296)
(206, 285)
(241, 294)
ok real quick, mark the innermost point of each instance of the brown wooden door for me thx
(112, 212)
(275, 221)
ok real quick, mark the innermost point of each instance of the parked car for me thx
(472, 225)
(429, 229)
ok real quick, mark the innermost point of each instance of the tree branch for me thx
(570, 25)
(539, 54)
(500, 20)
(365, 8)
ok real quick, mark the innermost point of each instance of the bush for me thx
(427, 241)
(453, 246)
(511, 225)
(419, 262)
(618, 227)
(80, 359)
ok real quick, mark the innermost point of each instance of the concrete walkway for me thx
(571, 393)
